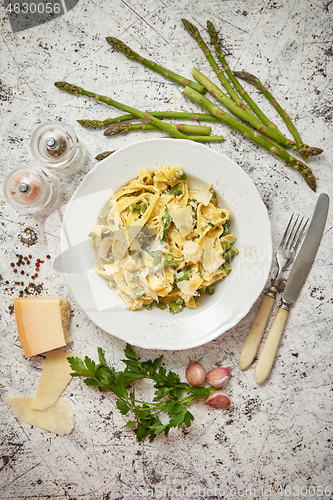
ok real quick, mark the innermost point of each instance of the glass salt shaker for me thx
(31, 191)
(57, 148)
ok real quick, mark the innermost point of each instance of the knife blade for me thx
(296, 280)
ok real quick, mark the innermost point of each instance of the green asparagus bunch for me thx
(245, 115)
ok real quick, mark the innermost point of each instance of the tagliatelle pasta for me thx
(162, 242)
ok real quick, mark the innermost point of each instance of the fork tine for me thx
(286, 231)
(299, 239)
(291, 243)
(292, 232)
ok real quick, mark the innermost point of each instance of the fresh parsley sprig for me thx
(171, 396)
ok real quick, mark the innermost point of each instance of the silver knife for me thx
(296, 280)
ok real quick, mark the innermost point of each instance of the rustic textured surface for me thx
(276, 438)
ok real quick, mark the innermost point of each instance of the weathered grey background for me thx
(276, 438)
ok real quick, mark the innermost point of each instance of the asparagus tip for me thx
(101, 156)
(68, 87)
(116, 43)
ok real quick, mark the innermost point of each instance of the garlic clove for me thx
(195, 374)
(218, 376)
(218, 400)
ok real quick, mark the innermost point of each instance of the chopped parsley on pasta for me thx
(163, 243)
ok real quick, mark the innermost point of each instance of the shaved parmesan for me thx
(110, 269)
(145, 285)
(135, 245)
(55, 377)
(208, 243)
(192, 252)
(182, 217)
(107, 271)
(58, 418)
(119, 246)
(203, 197)
(186, 289)
(104, 247)
(211, 260)
(158, 245)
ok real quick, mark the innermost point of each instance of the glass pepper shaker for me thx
(31, 191)
(56, 147)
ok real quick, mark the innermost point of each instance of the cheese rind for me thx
(54, 379)
(58, 418)
(42, 323)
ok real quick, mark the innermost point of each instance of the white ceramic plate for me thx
(234, 296)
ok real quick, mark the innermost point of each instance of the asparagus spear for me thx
(206, 138)
(275, 138)
(194, 32)
(157, 114)
(255, 81)
(167, 127)
(216, 43)
(278, 136)
(166, 221)
(128, 127)
(131, 54)
(248, 77)
(252, 135)
(228, 103)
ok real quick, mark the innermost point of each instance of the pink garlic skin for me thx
(195, 374)
(217, 377)
(218, 400)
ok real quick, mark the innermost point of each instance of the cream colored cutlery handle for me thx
(269, 350)
(254, 336)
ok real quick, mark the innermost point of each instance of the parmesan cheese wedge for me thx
(182, 217)
(192, 252)
(208, 243)
(58, 418)
(211, 260)
(186, 289)
(145, 285)
(203, 197)
(54, 379)
(42, 323)
(189, 288)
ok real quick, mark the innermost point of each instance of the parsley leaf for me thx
(171, 397)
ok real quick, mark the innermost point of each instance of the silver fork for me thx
(285, 255)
